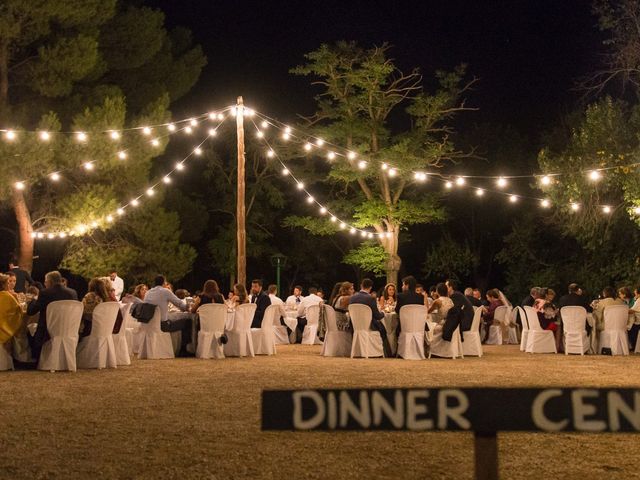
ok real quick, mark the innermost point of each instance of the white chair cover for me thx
(442, 348)
(121, 339)
(264, 338)
(6, 361)
(538, 340)
(280, 331)
(472, 344)
(240, 343)
(525, 328)
(337, 343)
(212, 319)
(154, 343)
(496, 331)
(614, 335)
(637, 350)
(310, 332)
(134, 336)
(574, 334)
(411, 341)
(97, 350)
(512, 327)
(366, 343)
(63, 323)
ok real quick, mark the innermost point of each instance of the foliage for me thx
(449, 259)
(369, 257)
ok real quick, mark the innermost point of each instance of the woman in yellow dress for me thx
(10, 313)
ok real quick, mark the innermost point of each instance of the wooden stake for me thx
(241, 236)
(486, 455)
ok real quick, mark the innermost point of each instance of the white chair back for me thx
(573, 319)
(523, 318)
(125, 308)
(413, 318)
(271, 316)
(212, 317)
(313, 314)
(244, 316)
(361, 316)
(154, 324)
(330, 318)
(532, 319)
(477, 317)
(104, 318)
(616, 317)
(63, 318)
(501, 314)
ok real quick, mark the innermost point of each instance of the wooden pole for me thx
(241, 235)
(486, 455)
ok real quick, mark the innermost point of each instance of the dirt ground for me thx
(190, 418)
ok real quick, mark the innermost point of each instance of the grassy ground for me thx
(189, 418)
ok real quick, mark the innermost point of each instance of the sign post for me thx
(483, 411)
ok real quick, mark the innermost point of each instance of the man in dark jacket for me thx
(530, 299)
(262, 301)
(408, 296)
(54, 291)
(363, 297)
(460, 301)
(575, 298)
(22, 276)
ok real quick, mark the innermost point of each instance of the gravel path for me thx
(189, 418)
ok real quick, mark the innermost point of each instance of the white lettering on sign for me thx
(453, 412)
(537, 412)
(581, 410)
(299, 422)
(332, 411)
(618, 408)
(360, 413)
(414, 409)
(395, 412)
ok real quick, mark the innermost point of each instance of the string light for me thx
(545, 203)
(264, 124)
(300, 186)
(319, 142)
(606, 209)
(81, 137)
(448, 185)
(310, 199)
(197, 151)
(546, 180)
(166, 179)
(479, 192)
(351, 155)
(271, 154)
(19, 185)
(286, 136)
(44, 136)
(120, 211)
(55, 176)
(193, 122)
(135, 202)
(122, 155)
(393, 172)
(501, 182)
(10, 135)
(460, 181)
(114, 135)
(171, 127)
(188, 130)
(575, 207)
(259, 134)
(285, 171)
(146, 131)
(150, 192)
(179, 166)
(513, 198)
(109, 218)
(220, 116)
(331, 155)
(362, 164)
(595, 175)
(155, 142)
(384, 166)
(212, 132)
(89, 166)
(323, 210)
(307, 146)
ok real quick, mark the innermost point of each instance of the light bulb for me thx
(19, 185)
(319, 142)
(606, 209)
(460, 181)
(331, 155)
(155, 142)
(150, 192)
(166, 179)
(479, 192)
(502, 182)
(545, 203)
(212, 115)
(271, 154)
(114, 135)
(146, 131)
(259, 134)
(179, 166)
(384, 166)
(122, 155)
(352, 231)
(120, 211)
(595, 175)
(221, 116)
(343, 225)
(363, 234)
(300, 186)
(197, 151)
(351, 155)
(362, 164)
(188, 130)
(44, 136)
(323, 210)
(41, 235)
(307, 146)
(10, 135)
(286, 136)
(264, 124)
(575, 207)
(636, 210)
(193, 122)
(135, 202)
(55, 176)
(171, 127)
(50, 236)
(285, 171)
(448, 185)
(63, 234)
(546, 180)
(310, 199)
(393, 172)
(94, 224)
(81, 136)
(212, 132)
(287, 130)
(513, 198)
(89, 166)
(109, 218)
(334, 219)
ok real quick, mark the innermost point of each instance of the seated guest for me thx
(22, 276)
(210, 294)
(608, 298)
(363, 297)
(295, 299)
(334, 293)
(624, 294)
(551, 296)
(137, 294)
(97, 293)
(468, 292)
(575, 298)
(305, 303)
(238, 296)
(54, 290)
(442, 304)
(409, 296)
(262, 301)
(161, 297)
(272, 291)
(320, 293)
(530, 299)
(633, 324)
(10, 312)
(341, 306)
(460, 301)
(493, 297)
(11, 285)
(541, 300)
(387, 301)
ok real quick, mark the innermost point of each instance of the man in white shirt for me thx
(305, 303)
(273, 295)
(161, 297)
(117, 283)
(295, 299)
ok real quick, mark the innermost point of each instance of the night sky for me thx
(527, 54)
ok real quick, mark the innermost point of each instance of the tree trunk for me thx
(25, 229)
(241, 232)
(394, 261)
(4, 80)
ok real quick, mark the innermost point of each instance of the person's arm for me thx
(435, 305)
(35, 306)
(27, 277)
(301, 308)
(181, 304)
(377, 314)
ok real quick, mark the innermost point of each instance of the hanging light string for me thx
(109, 219)
(123, 154)
(312, 142)
(332, 151)
(311, 199)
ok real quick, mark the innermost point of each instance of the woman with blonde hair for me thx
(10, 312)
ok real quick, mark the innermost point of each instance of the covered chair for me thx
(337, 343)
(310, 333)
(63, 323)
(264, 338)
(525, 327)
(538, 340)
(614, 335)
(575, 337)
(6, 361)
(440, 347)
(496, 331)
(240, 343)
(212, 319)
(366, 342)
(512, 328)
(154, 343)
(97, 350)
(413, 319)
(472, 345)
(280, 331)
(121, 339)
